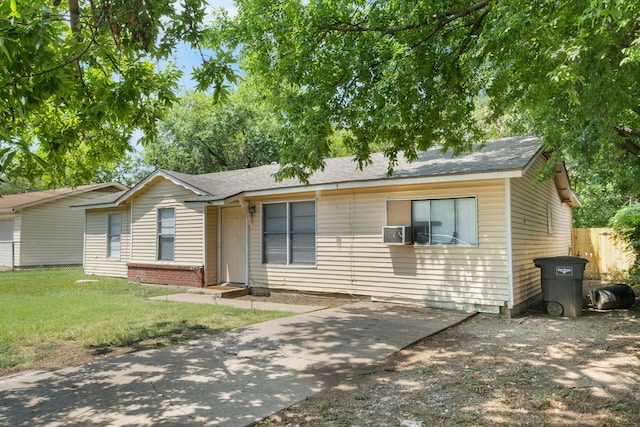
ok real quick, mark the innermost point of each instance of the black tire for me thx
(555, 308)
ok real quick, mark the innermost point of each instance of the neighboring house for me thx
(37, 228)
(472, 226)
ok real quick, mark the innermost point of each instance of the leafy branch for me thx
(73, 59)
(444, 18)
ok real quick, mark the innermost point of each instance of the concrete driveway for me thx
(232, 379)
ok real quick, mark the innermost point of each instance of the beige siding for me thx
(533, 203)
(52, 233)
(352, 259)
(96, 261)
(189, 237)
(7, 228)
(211, 267)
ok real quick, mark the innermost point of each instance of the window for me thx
(166, 233)
(289, 233)
(114, 230)
(444, 221)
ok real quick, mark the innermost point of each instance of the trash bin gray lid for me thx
(560, 260)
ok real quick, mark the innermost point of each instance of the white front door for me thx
(234, 229)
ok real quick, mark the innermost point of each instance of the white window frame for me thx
(452, 243)
(111, 235)
(160, 235)
(289, 233)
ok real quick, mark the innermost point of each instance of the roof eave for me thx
(542, 151)
(141, 185)
(397, 181)
(71, 193)
(98, 206)
(563, 186)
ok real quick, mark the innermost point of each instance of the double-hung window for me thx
(289, 233)
(444, 221)
(114, 231)
(166, 233)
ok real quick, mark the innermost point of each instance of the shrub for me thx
(626, 225)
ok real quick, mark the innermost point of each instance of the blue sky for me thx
(186, 58)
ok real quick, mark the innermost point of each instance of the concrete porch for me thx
(221, 291)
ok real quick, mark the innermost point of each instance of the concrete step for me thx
(221, 291)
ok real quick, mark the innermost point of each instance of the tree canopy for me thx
(200, 136)
(600, 195)
(405, 76)
(78, 77)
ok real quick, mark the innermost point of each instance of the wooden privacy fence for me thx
(607, 257)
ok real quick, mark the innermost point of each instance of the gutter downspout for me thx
(84, 242)
(205, 249)
(247, 230)
(248, 222)
(219, 243)
(131, 232)
(507, 212)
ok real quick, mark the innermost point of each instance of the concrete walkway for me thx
(238, 303)
(232, 379)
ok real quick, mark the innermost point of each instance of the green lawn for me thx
(42, 311)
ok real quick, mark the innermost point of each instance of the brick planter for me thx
(166, 274)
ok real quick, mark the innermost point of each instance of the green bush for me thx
(626, 225)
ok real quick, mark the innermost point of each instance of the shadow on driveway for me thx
(230, 379)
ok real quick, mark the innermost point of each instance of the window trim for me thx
(159, 234)
(109, 254)
(409, 219)
(290, 233)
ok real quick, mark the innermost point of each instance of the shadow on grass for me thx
(157, 335)
(232, 379)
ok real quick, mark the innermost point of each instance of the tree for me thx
(601, 196)
(200, 136)
(77, 78)
(626, 225)
(406, 76)
(18, 186)
(129, 171)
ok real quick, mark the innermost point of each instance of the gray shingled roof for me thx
(10, 202)
(500, 155)
(104, 200)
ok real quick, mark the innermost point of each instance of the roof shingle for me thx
(20, 200)
(500, 155)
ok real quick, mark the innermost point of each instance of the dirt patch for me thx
(58, 355)
(532, 370)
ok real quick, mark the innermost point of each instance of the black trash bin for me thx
(562, 284)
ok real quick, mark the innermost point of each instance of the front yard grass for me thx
(49, 320)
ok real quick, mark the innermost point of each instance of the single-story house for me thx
(457, 232)
(37, 228)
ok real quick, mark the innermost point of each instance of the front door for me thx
(233, 246)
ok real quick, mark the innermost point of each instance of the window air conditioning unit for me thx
(396, 235)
